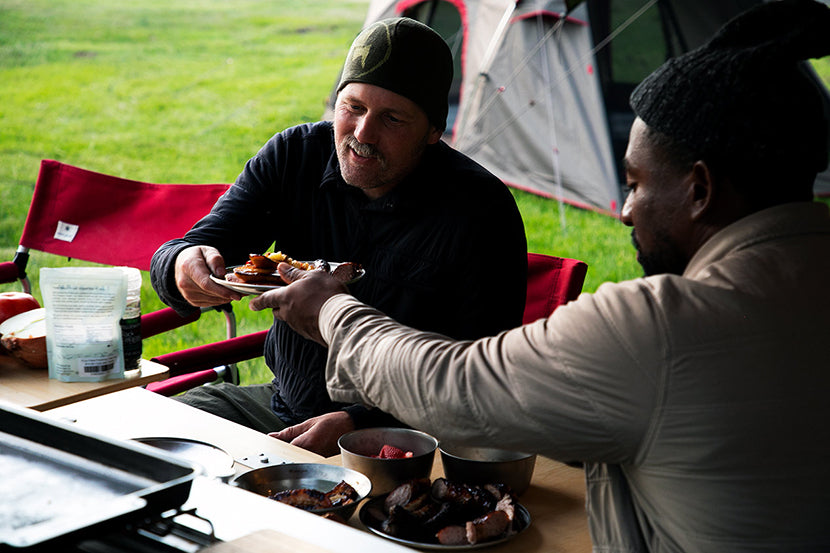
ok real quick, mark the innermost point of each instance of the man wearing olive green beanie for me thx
(377, 186)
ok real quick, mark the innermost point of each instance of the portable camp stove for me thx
(170, 532)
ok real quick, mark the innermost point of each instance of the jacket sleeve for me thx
(567, 386)
(162, 276)
(364, 417)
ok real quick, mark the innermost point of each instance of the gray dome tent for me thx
(541, 87)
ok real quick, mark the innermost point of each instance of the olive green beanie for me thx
(406, 57)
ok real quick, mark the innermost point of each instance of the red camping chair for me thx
(551, 282)
(104, 219)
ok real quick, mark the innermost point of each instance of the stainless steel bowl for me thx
(483, 465)
(267, 481)
(359, 448)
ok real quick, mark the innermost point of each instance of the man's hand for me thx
(318, 434)
(194, 266)
(299, 303)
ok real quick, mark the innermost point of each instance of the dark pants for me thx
(246, 405)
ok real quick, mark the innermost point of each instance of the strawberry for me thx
(392, 452)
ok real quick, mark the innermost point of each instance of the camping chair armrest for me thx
(164, 320)
(167, 319)
(8, 272)
(208, 356)
(178, 384)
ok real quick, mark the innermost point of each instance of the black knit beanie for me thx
(745, 94)
(406, 57)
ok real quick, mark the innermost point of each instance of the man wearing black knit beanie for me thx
(378, 187)
(695, 397)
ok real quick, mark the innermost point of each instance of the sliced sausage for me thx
(487, 527)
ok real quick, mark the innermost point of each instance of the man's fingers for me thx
(215, 262)
(288, 434)
(283, 435)
(271, 299)
(299, 303)
(194, 266)
(268, 300)
(290, 274)
(204, 289)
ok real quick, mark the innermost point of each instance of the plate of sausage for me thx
(259, 274)
(445, 515)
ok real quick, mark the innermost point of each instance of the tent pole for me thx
(485, 66)
(554, 144)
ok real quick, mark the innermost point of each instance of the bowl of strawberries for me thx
(388, 456)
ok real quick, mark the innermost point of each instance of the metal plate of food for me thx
(321, 477)
(215, 462)
(250, 288)
(372, 515)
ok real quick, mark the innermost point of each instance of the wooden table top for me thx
(555, 499)
(138, 413)
(32, 388)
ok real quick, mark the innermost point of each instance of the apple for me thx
(24, 336)
(12, 303)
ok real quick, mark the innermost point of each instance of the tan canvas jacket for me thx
(700, 404)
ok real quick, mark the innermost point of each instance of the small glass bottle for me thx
(131, 322)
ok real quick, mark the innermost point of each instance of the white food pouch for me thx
(84, 307)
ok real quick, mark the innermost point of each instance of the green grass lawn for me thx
(187, 91)
(159, 91)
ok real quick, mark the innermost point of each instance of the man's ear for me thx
(701, 190)
(434, 134)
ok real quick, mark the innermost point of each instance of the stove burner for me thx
(174, 531)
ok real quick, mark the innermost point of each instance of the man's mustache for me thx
(363, 150)
(634, 240)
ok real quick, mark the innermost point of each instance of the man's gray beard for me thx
(364, 150)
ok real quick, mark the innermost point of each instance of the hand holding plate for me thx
(193, 269)
(299, 303)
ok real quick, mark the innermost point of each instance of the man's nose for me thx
(366, 130)
(625, 212)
